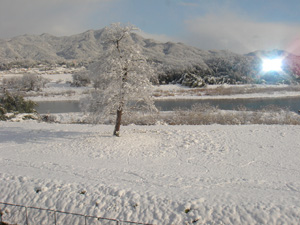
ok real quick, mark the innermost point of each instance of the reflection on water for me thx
(169, 105)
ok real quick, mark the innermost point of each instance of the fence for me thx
(85, 219)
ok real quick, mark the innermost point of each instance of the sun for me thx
(272, 64)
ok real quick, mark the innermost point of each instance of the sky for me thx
(241, 26)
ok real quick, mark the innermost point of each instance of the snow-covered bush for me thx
(81, 79)
(11, 82)
(28, 82)
(191, 80)
(33, 82)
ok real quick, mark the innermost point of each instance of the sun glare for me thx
(272, 65)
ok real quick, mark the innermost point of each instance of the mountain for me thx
(175, 60)
(50, 48)
(87, 46)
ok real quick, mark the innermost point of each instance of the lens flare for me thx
(272, 65)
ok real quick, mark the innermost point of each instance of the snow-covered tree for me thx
(121, 78)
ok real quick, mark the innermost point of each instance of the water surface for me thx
(293, 103)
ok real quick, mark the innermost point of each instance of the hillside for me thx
(176, 62)
(88, 46)
(49, 48)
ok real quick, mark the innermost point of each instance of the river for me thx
(293, 103)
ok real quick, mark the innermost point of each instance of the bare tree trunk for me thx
(118, 122)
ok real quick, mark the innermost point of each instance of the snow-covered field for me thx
(153, 174)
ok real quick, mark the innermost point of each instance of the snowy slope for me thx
(155, 174)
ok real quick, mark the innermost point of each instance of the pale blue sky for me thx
(237, 25)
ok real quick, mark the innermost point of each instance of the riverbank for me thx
(249, 91)
(59, 89)
(64, 92)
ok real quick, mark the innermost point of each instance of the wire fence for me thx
(28, 215)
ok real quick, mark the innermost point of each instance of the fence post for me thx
(26, 211)
(1, 214)
(54, 217)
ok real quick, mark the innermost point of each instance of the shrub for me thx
(48, 118)
(140, 118)
(33, 82)
(15, 104)
(28, 82)
(2, 113)
(204, 114)
(11, 83)
(81, 79)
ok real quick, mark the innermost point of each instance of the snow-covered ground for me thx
(153, 174)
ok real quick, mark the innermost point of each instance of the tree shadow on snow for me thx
(21, 135)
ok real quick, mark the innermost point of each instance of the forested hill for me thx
(176, 61)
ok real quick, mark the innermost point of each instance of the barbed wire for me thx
(55, 212)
